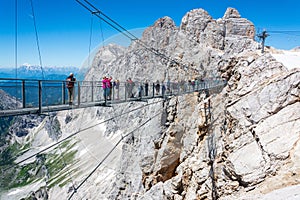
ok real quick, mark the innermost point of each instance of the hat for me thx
(71, 74)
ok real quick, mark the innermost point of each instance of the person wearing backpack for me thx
(105, 87)
(70, 85)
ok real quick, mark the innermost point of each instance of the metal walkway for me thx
(42, 96)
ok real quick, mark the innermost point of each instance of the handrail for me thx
(44, 95)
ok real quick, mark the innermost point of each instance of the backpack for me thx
(70, 82)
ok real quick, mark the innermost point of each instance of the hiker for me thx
(141, 90)
(157, 87)
(197, 84)
(105, 88)
(182, 86)
(163, 89)
(146, 88)
(70, 85)
(129, 85)
(193, 84)
(109, 86)
(117, 87)
(175, 87)
(169, 86)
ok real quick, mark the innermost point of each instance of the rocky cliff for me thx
(240, 142)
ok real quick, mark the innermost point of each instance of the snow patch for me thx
(290, 59)
(19, 193)
(287, 193)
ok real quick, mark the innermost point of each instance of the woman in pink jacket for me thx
(104, 87)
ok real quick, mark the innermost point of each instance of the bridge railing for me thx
(29, 93)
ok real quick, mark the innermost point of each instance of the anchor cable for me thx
(108, 154)
(87, 128)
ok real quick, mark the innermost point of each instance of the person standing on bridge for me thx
(163, 89)
(157, 87)
(105, 87)
(129, 87)
(117, 87)
(146, 88)
(109, 87)
(70, 85)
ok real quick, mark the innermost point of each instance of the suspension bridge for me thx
(43, 96)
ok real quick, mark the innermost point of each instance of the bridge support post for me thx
(63, 93)
(125, 91)
(40, 96)
(153, 89)
(78, 93)
(92, 91)
(23, 94)
(112, 91)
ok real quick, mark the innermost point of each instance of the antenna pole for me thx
(263, 36)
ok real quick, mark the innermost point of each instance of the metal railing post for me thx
(113, 92)
(40, 96)
(78, 93)
(92, 91)
(23, 94)
(153, 89)
(125, 86)
(63, 93)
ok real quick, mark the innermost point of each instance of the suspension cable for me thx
(37, 39)
(108, 154)
(16, 37)
(110, 19)
(39, 49)
(124, 31)
(133, 37)
(96, 13)
(90, 41)
(87, 128)
(16, 48)
(290, 32)
(102, 36)
(65, 165)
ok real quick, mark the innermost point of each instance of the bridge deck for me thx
(42, 96)
(55, 108)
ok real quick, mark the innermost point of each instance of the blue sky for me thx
(64, 27)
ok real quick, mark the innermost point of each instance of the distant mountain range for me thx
(296, 48)
(36, 72)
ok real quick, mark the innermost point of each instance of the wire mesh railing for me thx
(45, 93)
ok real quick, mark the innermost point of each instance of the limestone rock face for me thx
(197, 44)
(7, 101)
(200, 26)
(165, 23)
(251, 143)
(235, 25)
(231, 13)
(195, 22)
(263, 127)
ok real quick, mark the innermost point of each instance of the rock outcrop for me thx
(251, 144)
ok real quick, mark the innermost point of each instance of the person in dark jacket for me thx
(70, 85)
(146, 88)
(157, 87)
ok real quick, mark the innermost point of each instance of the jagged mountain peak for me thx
(165, 23)
(231, 13)
(195, 19)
